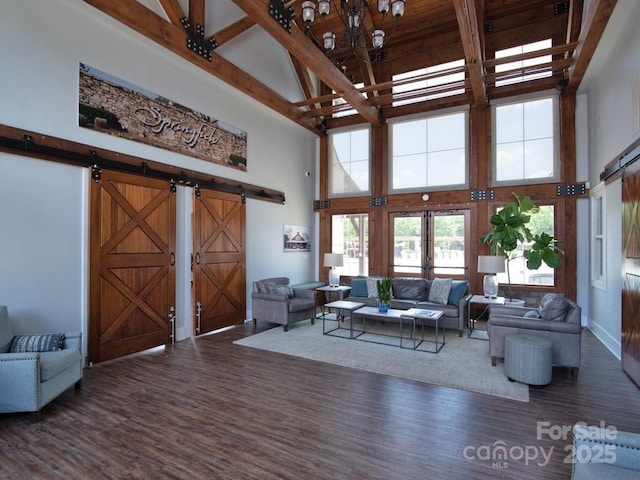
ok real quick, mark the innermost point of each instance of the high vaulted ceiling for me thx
(239, 42)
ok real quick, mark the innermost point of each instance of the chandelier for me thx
(353, 16)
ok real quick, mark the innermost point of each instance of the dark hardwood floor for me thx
(208, 409)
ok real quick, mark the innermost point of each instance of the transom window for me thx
(349, 159)
(435, 80)
(429, 152)
(523, 70)
(525, 142)
(336, 102)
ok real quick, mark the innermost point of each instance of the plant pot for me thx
(383, 307)
(516, 302)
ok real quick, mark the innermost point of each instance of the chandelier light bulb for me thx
(397, 8)
(324, 7)
(383, 6)
(328, 41)
(308, 12)
(377, 38)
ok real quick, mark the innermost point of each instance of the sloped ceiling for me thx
(286, 72)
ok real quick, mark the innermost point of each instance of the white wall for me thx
(43, 206)
(608, 85)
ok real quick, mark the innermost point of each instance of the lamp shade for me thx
(491, 264)
(333, 260)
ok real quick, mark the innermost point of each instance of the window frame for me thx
(464, 110)
(338, 246)
(598, 240)
(522, 99)
(330, 172)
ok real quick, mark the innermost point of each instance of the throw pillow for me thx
(439, 291)
(554, 310)
(458, 287)
(372, 287)
(532, 314)
(37, 343)
(359, 287)
(281, 289)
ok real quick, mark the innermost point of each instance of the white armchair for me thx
(30, 380)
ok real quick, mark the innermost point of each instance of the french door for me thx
(218, 261)
(132, 273)
(430, 244)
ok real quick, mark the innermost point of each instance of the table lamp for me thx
(333, 260)
(490, 264)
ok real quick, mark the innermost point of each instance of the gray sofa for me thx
(411, 292)
(287, 305)
(557, 319)
(600, 453)
(30, 380)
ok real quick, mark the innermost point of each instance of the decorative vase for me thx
(383, 307)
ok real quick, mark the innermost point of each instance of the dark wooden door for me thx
(631, 276)
(132, 273)
(219, 261)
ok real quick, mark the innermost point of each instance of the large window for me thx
(525, 141)
(518, 68)
(543, 221)
(440, 81)
(429, 152)
(349, 163)
(598, 239)
(349, 236)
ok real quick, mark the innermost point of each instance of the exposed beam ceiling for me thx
(432, 32)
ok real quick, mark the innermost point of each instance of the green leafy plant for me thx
(509, 229)
(384, 289)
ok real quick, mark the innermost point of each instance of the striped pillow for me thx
(37, 343)
(281, 289)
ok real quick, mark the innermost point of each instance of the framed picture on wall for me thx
(296, 238)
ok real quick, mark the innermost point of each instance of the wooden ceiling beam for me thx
(466, 14)
(173, 10)
(304, 50)
(196, 12)
(591, 32)
(236, 28)
(144, 21)
(306, 83)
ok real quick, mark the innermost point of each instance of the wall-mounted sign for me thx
(116, 107)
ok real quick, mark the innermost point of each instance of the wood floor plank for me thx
(209, 409)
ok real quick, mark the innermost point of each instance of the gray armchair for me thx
(557, 319)
(30, 380)
(272, 300)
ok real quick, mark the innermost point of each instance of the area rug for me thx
(463, 362)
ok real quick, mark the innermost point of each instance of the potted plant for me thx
(384, 293)
(509, 228)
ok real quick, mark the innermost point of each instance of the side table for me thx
(481, 300)
(334, 294)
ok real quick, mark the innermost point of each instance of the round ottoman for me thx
(527, 359)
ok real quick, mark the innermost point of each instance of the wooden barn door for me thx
(219, 261)
(631, 276)
(132, 273)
